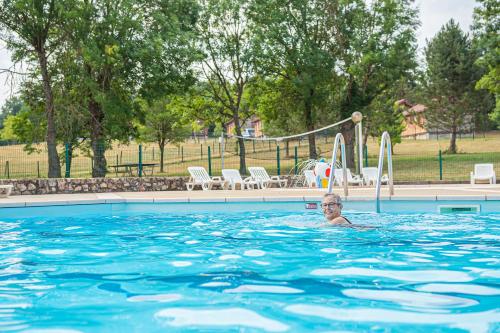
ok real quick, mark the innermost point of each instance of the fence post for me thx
(296, 160)
(38, 168)
(140, 161)
(182, 153)
(201, 150)
(209, 162)
(278, 160)
(440, 165)
(7, 169)
(253, 144)
(365, 151)
(66, 156)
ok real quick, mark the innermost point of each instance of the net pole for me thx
(359, 140)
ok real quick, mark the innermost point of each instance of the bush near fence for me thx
(413, 160)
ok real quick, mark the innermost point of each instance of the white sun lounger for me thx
(310, 178)
(339, 177)
(199, 176)
(233, 178)
(5, 190)
(370, 176)
(259, 174)
(483, 172)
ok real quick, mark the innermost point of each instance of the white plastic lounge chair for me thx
(370, 176)
(199, 176)
(310, 178)
(339, 177)
(233, 178)
(259, 174)
(483, 172)
(5, 190)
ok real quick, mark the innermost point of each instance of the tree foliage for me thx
(486, 29)
(165, 122)
(449, 82)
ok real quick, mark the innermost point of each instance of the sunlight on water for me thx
(263, 270)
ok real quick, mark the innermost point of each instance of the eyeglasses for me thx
(329, 205)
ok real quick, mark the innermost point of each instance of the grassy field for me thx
(414, 160)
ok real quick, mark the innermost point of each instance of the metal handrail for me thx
(339, 139)
(385, 142)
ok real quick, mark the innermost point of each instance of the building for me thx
(252, 127)
(414, 120)
(416, 124)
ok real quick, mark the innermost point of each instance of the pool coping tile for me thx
(85, 202)
(283, 199)
(12, 204)
(172, 200)
(138, 200)
(461, 197)
(244, 199)
(207, 200)
(313, 198)
(414, 198)
(46, 203)
(114, 201)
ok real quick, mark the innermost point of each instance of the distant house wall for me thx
(254, 122)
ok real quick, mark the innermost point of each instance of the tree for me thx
(165, 122)
(375, 46)
(449, 84)
(11, 107)
(293, 44)
(274, 101)
(123, 49)
(32, 31)
(226, 42)
(486, 27)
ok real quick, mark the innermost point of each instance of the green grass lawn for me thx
(413, 160)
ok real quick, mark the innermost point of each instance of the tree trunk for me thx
(310, 127)
(347, 130)
(70, 155)
(53, 158)
(97, 140)
(453, 141)
(241, 143)
(162, 152)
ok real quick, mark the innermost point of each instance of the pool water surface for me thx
(250, 270)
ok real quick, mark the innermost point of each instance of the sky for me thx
(433, 14)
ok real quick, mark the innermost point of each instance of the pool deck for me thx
(402, 192)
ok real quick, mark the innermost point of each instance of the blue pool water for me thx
(255, 268)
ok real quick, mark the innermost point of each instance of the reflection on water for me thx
(272, 271)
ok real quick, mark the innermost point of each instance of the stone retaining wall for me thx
(95, 185)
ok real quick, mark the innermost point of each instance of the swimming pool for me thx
(247, 267)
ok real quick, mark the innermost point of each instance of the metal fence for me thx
(413, 160)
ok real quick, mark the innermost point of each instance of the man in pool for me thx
(332, 209)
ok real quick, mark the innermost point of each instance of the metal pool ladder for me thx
(339, 140)
(385, 143)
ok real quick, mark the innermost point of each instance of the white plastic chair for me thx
(339, 177)
(310, 178)
(259, 174)
(370, 176)
(483, 172)
(5, 190)
(233, 178)
(199, 176)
